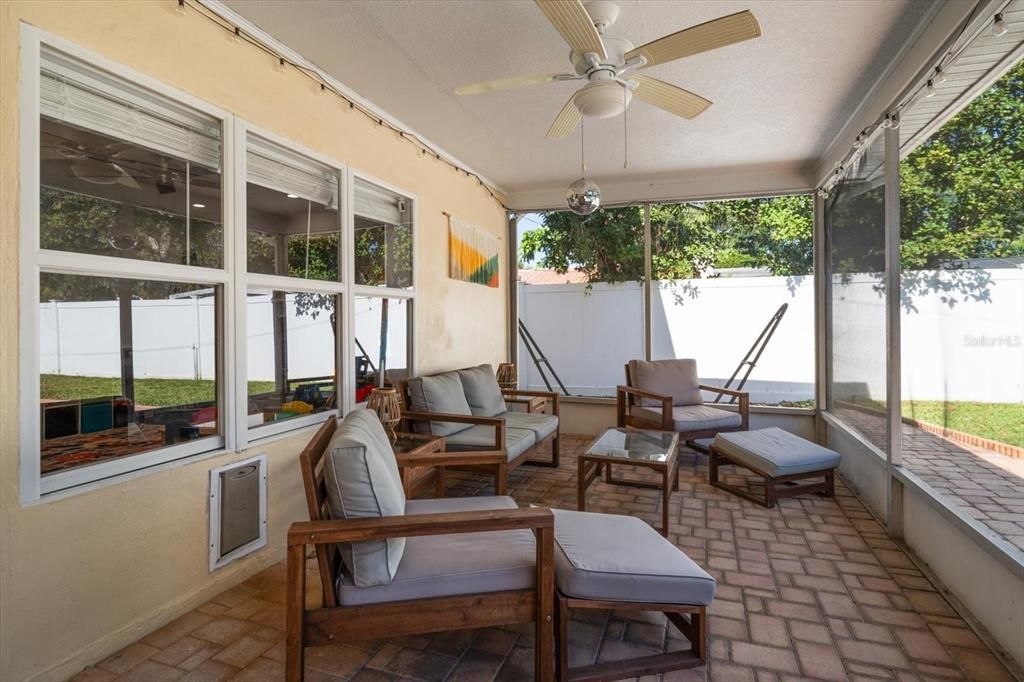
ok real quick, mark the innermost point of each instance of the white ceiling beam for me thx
(720, 183)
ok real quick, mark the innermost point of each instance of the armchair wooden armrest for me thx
(304, 533)
(497, 422)
(550, 395)
(744, 400)
(471, 458)
(624, 397)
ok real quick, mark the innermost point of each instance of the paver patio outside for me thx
(813, 589)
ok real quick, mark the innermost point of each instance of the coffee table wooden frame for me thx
(691, 621)
(772, 490)
(591, 466)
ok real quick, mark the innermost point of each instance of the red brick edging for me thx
(967, 438)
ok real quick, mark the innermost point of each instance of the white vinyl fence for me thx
(174, 339)
(962, 331)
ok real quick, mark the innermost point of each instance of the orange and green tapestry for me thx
(472, 254)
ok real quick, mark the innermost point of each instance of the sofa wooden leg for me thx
(295, 646)
(501, 479)
(562, 640)
(545, 634)
(555, 456)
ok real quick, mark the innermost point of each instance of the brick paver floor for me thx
(813, 589)
(987, 485)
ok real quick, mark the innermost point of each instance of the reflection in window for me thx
(126, 366)
(100, 195)
(381, 342)
(291, 341)
(383, 237)
(292, 216)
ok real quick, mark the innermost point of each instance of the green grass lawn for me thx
(1002, 422)
(155, 392)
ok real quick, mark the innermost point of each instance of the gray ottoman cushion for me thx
(482, 391)
(448, 565)
(362, 481)
(775, 452)
(543, 425)
(440, 393)
(481, 437)
(695, 417)
(621, 558)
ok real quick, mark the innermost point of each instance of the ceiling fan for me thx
(98, 166)
(608, 64)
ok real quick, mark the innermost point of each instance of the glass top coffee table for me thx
(655, 450)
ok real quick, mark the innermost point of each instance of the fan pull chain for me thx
(625, 130)
(583, 147)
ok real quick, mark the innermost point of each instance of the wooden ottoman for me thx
(611, 562)
(780, 458)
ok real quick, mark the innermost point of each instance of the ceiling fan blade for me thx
(566, 121)
(510, 83)
(571, 20)
(710, 35)
(666, 96)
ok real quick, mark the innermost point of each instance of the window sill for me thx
(754, 409)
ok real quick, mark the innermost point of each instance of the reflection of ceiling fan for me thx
(608, 63)
(97, 166)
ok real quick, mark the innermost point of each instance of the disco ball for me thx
(583, 197)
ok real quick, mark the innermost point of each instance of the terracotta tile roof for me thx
(541, 276)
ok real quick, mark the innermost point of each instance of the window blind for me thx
(272, 166)
(85, 97)
(376, 203)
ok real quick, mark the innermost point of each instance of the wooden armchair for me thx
(665, 395)
(334, 623)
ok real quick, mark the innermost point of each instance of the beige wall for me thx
(81, 577)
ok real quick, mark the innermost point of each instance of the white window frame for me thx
(33, 260)
(364, 290)
(232, 384)
(245, 280)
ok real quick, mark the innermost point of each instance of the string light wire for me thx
(239, 35)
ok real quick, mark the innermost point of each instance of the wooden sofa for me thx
(467, 407)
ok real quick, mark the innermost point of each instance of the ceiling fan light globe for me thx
(583, 197)
(602, 100)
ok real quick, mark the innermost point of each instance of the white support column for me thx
(513, 288)
(822, 293)
(893, 289)
(648, 273)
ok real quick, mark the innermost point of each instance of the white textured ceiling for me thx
(778, 100)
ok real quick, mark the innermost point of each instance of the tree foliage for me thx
(962, 197)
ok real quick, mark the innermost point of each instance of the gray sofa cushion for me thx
(695, 417)
(676, 378)
(775, 452)
(440, 393)
(448, 565)
(481, 437)
(482, 391)
(362, 481)
(542, 425)
(621, 558)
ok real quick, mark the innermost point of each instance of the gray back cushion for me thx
(362, 481)
(440, 393)
(482, 391)
(676, 378)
